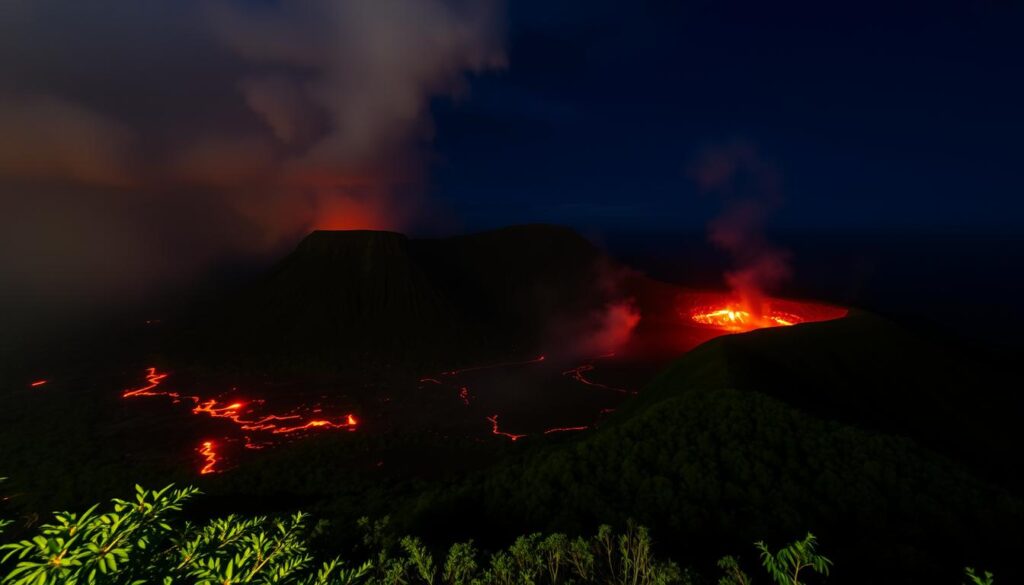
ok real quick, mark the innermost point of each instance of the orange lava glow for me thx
(734, 318)
(38, 383)
(579, 374)
(465, 395)
(496, 430)
(210, 456)
(535, 360)
(565, 429)
(153, 379)
(246, 415)
(729, 313)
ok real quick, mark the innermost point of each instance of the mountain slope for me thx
(873, 373)
(711, 461)
(350, 298)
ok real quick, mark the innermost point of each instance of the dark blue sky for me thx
(890, 116)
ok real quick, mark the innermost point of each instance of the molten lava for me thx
(535, 360)
(733, 318)
(565, 429)
(579, 374)
(246, 415)
(495, 430)
(210, 457)
(730, 313)
(38, 383)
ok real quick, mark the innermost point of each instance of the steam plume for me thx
(145, 141)
(749, 189)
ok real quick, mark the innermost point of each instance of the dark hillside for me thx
(873, 373)
(712, 462)
(357, 298)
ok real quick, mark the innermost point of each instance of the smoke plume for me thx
(143, 142)
(748, 188)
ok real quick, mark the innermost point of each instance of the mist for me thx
(144, 144)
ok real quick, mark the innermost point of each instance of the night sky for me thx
(891, 116)
(145, 145)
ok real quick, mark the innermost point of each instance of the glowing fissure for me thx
(535, 360)
(38, 383)
(210, 457)
(496, 430)
(579, 374)
(565, 429)
(242, 414)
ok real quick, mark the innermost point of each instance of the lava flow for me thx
(733, 318)
(38, 383)
(535, 360)
(495, 430)
(245, 415)
(579, 374)
(565, 429)
(727, 313)
(206, 450)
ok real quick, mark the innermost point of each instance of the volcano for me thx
(344, 297)
(527, 331)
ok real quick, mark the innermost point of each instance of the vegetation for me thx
(140, 541)
(708, 461)
(712, 470)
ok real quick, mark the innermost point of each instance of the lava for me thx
(734, 318)
(208, 453)
(535, 360)
(153, 379)
(245, 415)
(38, 383)
(349, 424)
(495, 430)
(725, 312)
(579, 374)
(464, 395)
(565, 429)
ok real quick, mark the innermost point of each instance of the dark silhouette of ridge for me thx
(375, 297)
(874, 373)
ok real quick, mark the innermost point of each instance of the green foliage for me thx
(534, 559)
(785, 566)
(461, 565)
(135, 543)
(3, 522)
(734, 575)
(140, 542)
(975, 579)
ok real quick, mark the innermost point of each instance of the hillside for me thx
(358, 297)
(710, 459)
(873, 373)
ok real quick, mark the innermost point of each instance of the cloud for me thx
(51, 139)
(366, 66)
(189, 131)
